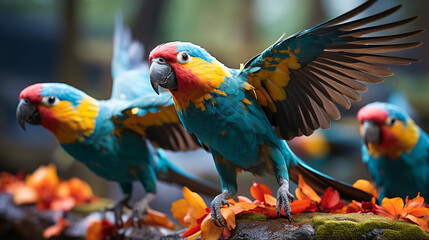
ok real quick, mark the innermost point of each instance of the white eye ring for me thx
(183, 57)
(390, 121)
(50, 100)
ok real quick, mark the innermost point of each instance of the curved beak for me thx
(27, 112)
(162, 74)
(371, 132)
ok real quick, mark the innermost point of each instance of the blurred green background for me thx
(70, 41)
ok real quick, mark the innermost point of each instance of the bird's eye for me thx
(50, 100)
(391, 120)
(183, 57)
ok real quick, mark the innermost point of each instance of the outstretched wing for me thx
(155, 118)
(297, 80)
(150, 115)
(129, 72)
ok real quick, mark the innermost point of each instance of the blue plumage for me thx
(288, 90)
(395, 150)
(110, 136)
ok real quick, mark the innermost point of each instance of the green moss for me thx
(306, 217)
(356, 226)
(248, 217)
(93, 207)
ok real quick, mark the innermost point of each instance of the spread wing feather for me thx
(139, 109)
(299, 80)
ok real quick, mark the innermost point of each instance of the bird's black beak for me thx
(27, 112)
(162, 74)
(371, 132)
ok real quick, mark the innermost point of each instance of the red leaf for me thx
(258, 190)
(330, 198)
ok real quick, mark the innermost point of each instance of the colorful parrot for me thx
(109, 136)
(395, 150)
(288, 90)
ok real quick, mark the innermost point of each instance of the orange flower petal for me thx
(63, 204)
(244, 199)
(392, 206)
(197, 206)
(300, 195)
(56, 229)
(23, 194)
(100, 230)
(299, 206)
(242, 207)
(179, 209)
(229, 215)
(44, 177)
(258, 190)
(195, 235)
(270, 200)
(366, 186)
(419, 212)
(209, 231)
(80, 190)
(307, 190)
(330, 198)
(157, 218)
(421, 222)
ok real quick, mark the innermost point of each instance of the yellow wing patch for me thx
(139, 124)
(274, 80)
(75, 122)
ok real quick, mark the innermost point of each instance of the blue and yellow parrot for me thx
(395, 150)
(109, 136)
(288, 90)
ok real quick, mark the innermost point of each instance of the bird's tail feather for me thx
(320, 181)
(168, 172)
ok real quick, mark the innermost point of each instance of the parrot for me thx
(395, 149)
(243, 116)
(110, 136)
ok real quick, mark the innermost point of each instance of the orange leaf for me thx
(270, 200)
(100, 230)
(307, 190)
(80, 190)
(243, 199)
(23, 194)
(229, 216)
(300, 195)
(242, 207)
(159, 219)
(421, 222)
(56, 229)
(299, 206)
(366, 186)
(258, 190)
(63, 204)
(394, 205)
(45, 177)
(209, 231)
(330, 198)
(179, 209)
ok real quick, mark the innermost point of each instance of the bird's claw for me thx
(284, 197)
(137, 217)
(117, 211)
(216, 215)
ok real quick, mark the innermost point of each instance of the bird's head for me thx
(187, 70)
(64, 110)
(387, 129)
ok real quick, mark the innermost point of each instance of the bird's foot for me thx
(216, 204)
(117, 210)
(283, 199)
(140, 209)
